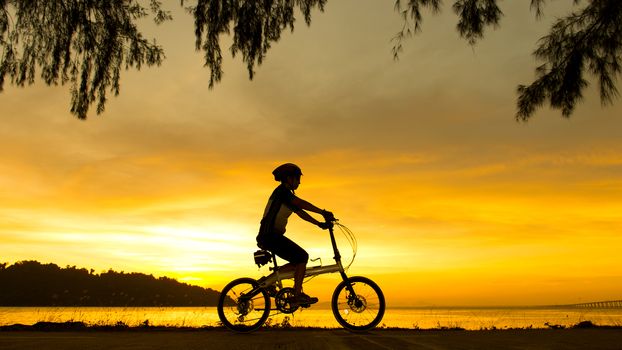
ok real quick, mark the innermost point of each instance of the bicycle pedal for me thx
(294, 303)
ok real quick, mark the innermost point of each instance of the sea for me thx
(322, 317)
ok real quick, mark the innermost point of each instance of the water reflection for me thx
(414, 318)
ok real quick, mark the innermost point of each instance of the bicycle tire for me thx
(362, 313)
(242, 315)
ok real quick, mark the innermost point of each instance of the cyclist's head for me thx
(283, 171)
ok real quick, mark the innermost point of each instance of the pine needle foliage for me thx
(84, 43)
(586, 41)
(255, 25)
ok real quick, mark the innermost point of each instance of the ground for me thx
(218, 338)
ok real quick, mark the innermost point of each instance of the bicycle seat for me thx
(262, 257)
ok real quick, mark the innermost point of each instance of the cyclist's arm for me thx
(305, 216)
(303, 204)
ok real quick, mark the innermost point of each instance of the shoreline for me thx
(73, 326)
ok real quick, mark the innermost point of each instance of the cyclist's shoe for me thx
(305, 301)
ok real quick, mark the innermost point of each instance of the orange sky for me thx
(452, 201)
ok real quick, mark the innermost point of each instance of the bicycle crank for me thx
(284, 300)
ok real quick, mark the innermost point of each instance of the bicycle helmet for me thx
(284, 170)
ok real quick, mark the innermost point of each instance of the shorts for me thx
(284, 248)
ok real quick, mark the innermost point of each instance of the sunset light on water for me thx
(320, 317)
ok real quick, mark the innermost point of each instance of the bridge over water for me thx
(611, 304)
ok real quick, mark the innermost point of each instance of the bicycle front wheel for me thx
(361, 310)
(241, 311)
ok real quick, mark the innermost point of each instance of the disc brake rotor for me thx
(358, 304)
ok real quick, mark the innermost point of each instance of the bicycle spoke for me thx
(241, 313)
(363, 309)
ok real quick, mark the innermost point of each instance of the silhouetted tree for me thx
(256, 24)
(30, 283)
(589, 39)
(87, 42)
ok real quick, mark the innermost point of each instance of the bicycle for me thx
(357, 303)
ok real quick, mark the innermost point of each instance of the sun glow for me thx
(451, 201)
(407, 223)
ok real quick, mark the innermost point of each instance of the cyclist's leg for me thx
(296, 256)
(287, 267)
(299, 275)
(299, 270)
(274, 243)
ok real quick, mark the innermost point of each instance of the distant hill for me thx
(30, 283)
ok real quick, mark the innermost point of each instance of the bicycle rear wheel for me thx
(240, 311)
(362, 310)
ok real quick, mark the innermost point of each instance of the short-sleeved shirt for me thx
(280, 206)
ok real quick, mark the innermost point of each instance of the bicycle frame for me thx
(276, 277)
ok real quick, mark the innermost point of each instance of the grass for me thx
(45, 326)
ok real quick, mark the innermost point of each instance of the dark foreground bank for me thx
(272, 338)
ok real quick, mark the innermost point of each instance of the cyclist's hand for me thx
(325, 225)
(328, 216)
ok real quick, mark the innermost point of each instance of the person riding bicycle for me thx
(281, 204)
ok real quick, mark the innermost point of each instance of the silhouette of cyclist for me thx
(282, 203)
